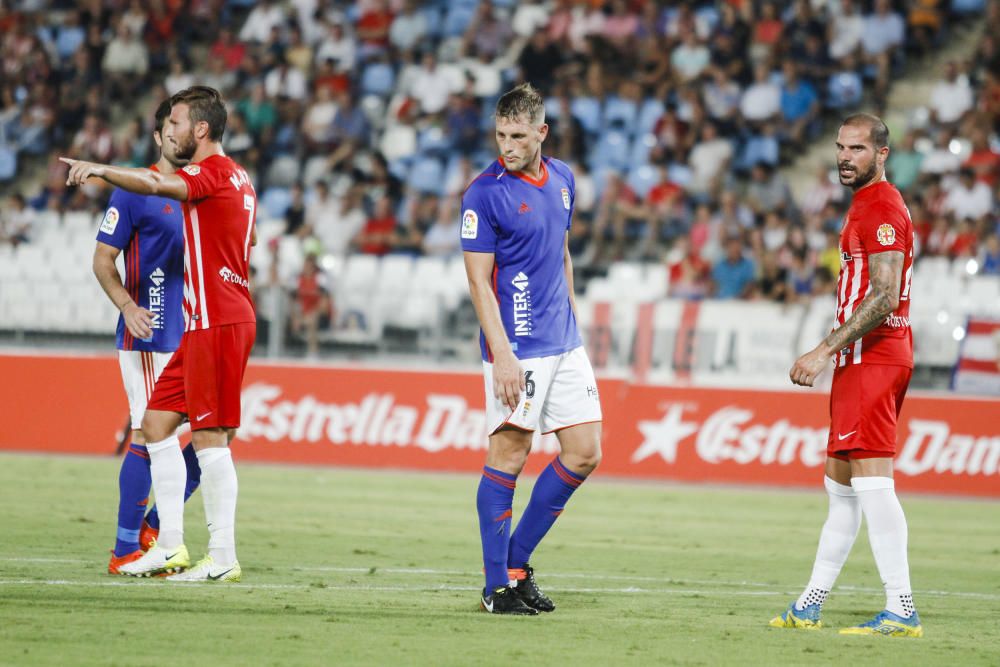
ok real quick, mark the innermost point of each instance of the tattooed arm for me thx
(885, 273)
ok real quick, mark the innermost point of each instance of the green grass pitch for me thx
(352, 567)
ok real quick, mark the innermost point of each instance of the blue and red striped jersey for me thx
(150, 231)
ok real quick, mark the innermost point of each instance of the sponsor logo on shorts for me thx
(886, 235)
(470, 224)
(110, 222)
(230, 276)
(522, 305)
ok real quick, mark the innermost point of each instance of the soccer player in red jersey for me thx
(872, 351)
(202, 380)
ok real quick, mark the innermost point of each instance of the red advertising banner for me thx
(425, 419)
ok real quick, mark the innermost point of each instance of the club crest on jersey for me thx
(470, 224)
(192, 169)
(886, 235)
(565, 196)
(110, 221)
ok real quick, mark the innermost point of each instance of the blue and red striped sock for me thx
(552, 490)
(193, 480)
(494, 501)
(134, 481)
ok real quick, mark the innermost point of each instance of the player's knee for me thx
(584, 461)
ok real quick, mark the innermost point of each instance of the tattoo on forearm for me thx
(885, 270)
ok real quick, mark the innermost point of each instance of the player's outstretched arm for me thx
(139, 181)
(138, 320)
(885, 274)
(508, 377)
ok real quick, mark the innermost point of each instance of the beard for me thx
(186, 146)
(860, 177)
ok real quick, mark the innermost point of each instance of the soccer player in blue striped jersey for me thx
(515, 223)
(149, 230)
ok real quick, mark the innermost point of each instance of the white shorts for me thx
(140, 370)
(560, 391)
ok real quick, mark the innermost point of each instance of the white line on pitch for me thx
(565, 575)
(364, 587)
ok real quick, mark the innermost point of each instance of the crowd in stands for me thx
(362, 121)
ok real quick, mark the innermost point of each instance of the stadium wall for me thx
(359, 416)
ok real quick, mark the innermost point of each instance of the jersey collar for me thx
(537, 182)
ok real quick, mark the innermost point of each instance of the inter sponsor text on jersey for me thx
(218, 225)
(877, 221)
(523, 222)
(150, 232)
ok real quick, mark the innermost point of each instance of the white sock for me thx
(835, 542)
(166, 465)
(887, 535)
(219, 488)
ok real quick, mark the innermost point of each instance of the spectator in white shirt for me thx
(408, 28)
(337, 46)
(951, 97)
(261, 20)
(846, 30)
(969, 198)
(708, 160)
(432, 85)
(762, 99)
(285, 81)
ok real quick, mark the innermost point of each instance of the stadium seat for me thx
(612, 149)
(394, 273)
(360, 272)
(426, 176)
(642, 178)
(620, 114)
(428, 275)
(587, 110)
(457, 19)
(284, 171)
(649, 113)
(642, 144)
(378, 78)
(601, 289)
(274, 202)
(434, 141)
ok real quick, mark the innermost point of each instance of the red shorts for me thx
(205, 375)
(865, 401)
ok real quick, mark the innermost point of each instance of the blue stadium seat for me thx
(587, 110)
(649, 113)
(427, 176)
(642, 178)
(8, 163)
(611, 149)
(275, 202)
(434, 140)
(641, 146)
(758, 148)
(378, 79)
(620, 114)
(457, 19)
(844, 90)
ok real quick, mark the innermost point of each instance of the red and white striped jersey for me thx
(877, 221)
(219, 217)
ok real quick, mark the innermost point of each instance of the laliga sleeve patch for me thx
(110, 221)
(192, 169)
(470, 224)
(886, 235)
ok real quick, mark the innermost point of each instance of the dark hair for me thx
(522, 100)
(162, 113)
(205, 104)
(877, 131)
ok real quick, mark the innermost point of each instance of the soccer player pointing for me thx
(872, 351)
(515, 221)
(203, 378)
